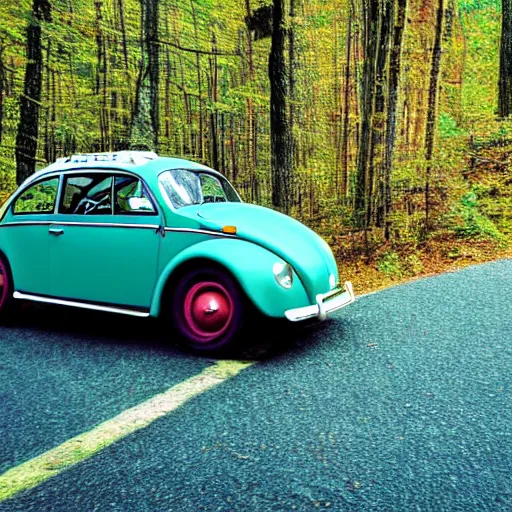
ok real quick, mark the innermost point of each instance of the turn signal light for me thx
(229, 229)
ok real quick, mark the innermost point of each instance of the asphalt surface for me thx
(400, 402)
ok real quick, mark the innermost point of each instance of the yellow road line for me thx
(79, 448)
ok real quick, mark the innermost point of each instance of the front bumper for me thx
(325, 303)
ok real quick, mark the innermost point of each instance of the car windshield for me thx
(184, 188)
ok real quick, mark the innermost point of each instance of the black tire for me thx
(7, 302)
(208, 310)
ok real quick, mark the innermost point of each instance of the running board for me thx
(84, 305)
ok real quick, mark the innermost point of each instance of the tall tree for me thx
(346, 103)
(145, 120)
(102, 71)
(2, 87)
(280, 134)
(505, 76)
(30, 100)
(395, 62)
(251, 119)
(371, 15)
(432, 106)
(378, 128)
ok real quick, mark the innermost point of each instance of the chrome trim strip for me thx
(323, 306)
(201, 231)
(115, 225)
(27, 223)
(84, 305)
(86, 224)
(105, 224)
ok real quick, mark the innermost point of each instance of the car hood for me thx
(302, 248)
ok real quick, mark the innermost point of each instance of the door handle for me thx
(56, 231)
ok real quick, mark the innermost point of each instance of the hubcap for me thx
(208, 310)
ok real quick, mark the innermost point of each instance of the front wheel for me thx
(208, 310)
(6, 291)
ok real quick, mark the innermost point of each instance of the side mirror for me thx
(140, 203)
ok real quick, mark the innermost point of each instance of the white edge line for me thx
(84, 446)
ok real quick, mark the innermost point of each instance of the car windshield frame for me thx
(189, 191)
(7, 204)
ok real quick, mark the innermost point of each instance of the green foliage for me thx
(469, 6)
(39, 198)
(448, 126)
(481, 29)
(413, 265)
(389, 264)
(205, 93)
(467, 221)
(395, 265)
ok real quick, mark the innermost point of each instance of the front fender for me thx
(250, 264)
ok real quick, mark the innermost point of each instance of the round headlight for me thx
(283, 274)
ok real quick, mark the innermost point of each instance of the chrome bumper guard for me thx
(325, 303)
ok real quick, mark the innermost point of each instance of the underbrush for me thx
(473, 224)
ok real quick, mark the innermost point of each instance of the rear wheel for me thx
(208, 310)
(6, 290)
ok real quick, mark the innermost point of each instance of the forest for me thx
(382, 124)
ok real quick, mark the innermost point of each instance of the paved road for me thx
(401, 402)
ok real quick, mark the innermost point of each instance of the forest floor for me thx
(485, 234)
(366, 276)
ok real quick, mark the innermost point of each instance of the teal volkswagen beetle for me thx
(138, 234)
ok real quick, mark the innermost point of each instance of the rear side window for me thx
(87, 195)
(39, 198)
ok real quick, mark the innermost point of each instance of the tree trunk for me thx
(101, 77)
(127, 98)
(336, 112)
(30, 101)
(393, 82)
(120, 6)
(152, 46)
(145, 120)
(377, 145)
(234, 167)
(200, 149)
(2, 89)
(346, 114)
(251, 135)
(371, 33)
(505, 76)
(48, 91)
(292, 64)
(432, 107)
(280, 139)
(168, 68)
(214, 145)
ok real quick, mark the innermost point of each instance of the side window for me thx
(131, 198)
(39, 198)
(88, 194)
(212, 189)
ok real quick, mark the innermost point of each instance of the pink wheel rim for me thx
(4, 284)
(208, 311)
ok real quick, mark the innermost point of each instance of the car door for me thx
(25, 238)
(106, 240)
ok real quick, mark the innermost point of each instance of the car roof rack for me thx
(125, 157)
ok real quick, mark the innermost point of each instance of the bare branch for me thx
(197, 51)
